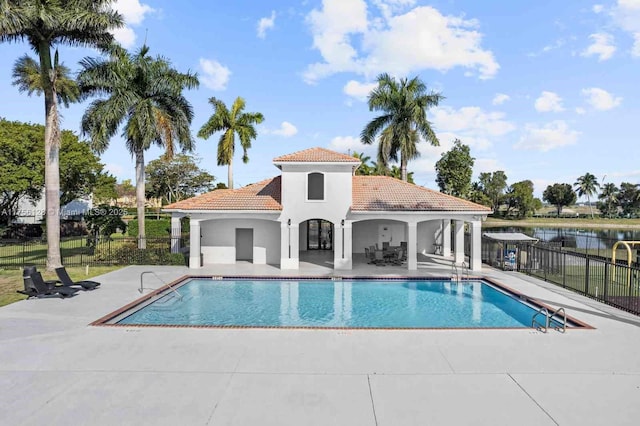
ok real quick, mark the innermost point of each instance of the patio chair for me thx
(369, 255)
(66, 280)
(38, 287)
(397, 260)
(379, 258)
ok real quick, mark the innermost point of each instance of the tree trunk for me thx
(590, 208)
(230, 174)
(140, 199)
(51, 159)
(403, 167)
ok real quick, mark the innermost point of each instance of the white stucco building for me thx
(317, 203)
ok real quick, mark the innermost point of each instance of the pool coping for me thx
(103, 321)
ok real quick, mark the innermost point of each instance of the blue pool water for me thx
(348, 304)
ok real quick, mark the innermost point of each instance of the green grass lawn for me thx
(11, 280)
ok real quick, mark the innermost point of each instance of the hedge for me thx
(153, 228)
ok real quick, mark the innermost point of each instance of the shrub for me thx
(130, 254)
(153, 228)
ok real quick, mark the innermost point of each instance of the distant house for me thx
(29, 211)
(316, 207)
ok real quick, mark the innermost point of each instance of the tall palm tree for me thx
(404, 105)
(587, 185)
(44, 24)
(144, 97)
(231, 122)
(26, 76)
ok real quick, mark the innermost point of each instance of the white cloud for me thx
(265, 24)
(215, 76)
(550, 136)
(626, 14)
(635, 51)
(549, 101)
(597, 8)
(472, 125)
(581, 111)
(486, 165)
(357, 90)
(350, 144)
(286, 129)
(548, 48)
(600, 99)
(602, 46)
(500, 98)
(437, 42)
(133, 13)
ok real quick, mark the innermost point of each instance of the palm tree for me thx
(587, 185)
(609, 197)
(365, 168)
(44, 24)
(404, 105)
(231, 122)
(26, 76)
(144, 95)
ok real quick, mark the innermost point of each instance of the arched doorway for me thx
(319, 234)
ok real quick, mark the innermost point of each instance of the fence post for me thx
(564, 270)
(606, 281)
(586, 275)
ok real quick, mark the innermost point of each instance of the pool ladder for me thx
(455, 272)
(141, 289)
(548, 317)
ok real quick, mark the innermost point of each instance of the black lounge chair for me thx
(66, 280)
(36, 286)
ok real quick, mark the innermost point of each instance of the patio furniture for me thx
(38, 287)
(398, 259)
(66, 280)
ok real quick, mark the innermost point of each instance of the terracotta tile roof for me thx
(316, 155)
(263, 195)
(383, 193)
(370, 193)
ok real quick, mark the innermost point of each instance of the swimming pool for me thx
(307, 303)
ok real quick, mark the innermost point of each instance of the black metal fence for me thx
(616, 284)
(82, 251)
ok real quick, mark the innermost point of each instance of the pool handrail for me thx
(141, 289)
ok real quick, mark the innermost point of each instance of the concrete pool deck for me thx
(55, 369)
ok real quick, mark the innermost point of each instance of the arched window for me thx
(315, 186)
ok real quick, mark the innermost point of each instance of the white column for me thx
(176, 233)
(412, 243)
(194, 249)
(289, 237)
(446, 238)
(476, 246)
(343, 242)
(458, 257)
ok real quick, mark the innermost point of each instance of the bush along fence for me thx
(616, 284)
(82, 251)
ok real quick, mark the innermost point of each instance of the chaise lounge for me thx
(36, 286)
(66, 280)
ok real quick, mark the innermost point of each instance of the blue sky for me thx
(543, 90)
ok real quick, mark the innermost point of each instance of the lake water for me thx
(575, 237)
